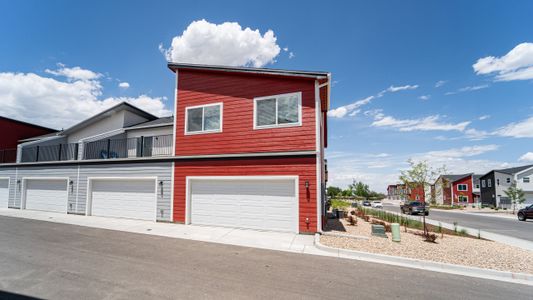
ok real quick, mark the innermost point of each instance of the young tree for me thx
(420, 175)
(516, 195)
(333, 191)
(360, 189)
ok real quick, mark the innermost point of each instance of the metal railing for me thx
(59, 152)
(144, 146)
(8, 156)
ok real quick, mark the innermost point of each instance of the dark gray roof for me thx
(312, 74)
(164, 121)
(476, 177)
(514, 170)
(105, 113)
(455, 177)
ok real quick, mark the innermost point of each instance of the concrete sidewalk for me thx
(280, 241)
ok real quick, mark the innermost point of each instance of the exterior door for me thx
(4, 192)
(46, 194)
(266, 204)
(124, 198)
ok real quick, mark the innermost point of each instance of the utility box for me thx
(395, 230)
(378, 230)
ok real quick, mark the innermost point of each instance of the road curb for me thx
(520, 278)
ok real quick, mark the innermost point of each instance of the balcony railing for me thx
(59, 152)
(8, 156)
(145, 146)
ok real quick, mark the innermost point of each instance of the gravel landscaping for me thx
(449, 249)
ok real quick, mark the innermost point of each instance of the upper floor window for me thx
(477, 185)
(278, 111)
(508, 180)
(497, 181)
(203, 119)
(489, 183)
(483, 183)
(525, 180)
(462, 187)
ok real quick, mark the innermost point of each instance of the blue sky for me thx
(474, 120)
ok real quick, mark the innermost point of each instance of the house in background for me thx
(401, 192)
(496, 182)
(245, 149)
(476, 188)
(12, 132)
(456, 189)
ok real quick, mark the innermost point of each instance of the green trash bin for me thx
(395, 230)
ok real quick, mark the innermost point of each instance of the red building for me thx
(400, 192)
(11, 132)
(454, 189)
(249, 147)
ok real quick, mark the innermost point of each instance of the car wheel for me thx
(521, 217)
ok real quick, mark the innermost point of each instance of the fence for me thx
(149, 146)
(57, 152)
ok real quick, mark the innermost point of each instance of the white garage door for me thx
(127, 198)
(264, 204)
(4, 192)
(46, 194)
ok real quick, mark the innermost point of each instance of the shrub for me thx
(340, 204)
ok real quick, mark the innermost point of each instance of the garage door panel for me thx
(4, 193)
(46, 194)
(124, 198)
(268, 204)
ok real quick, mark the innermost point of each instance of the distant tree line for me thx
(357, 189)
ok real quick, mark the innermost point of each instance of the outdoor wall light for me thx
(307, 184)
(18, 185)
(71, 184)
(161, 187)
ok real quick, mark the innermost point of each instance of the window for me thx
(497, 181)
(508, 180)
(203, 119)
(462, 187)
(525, 180)
(278, 111)
(463, 198)
(489, 183)
(483, 183)
(477, 185)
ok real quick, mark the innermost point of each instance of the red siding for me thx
(13, 131)
(417, 191)
(236, 92)
(468, 193)
(304, 167)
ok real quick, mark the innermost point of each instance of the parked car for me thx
(525, 213)
(377, 204)
(367, 203)
(415, 207)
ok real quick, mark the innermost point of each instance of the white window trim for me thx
(466, 187)
(299, 123)
(464, 197)
(526, 178)
(203, 106)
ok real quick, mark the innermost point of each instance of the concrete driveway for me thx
(61, 261)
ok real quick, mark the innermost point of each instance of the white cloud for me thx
(59, 104)
(424, 97)
(476, 135)
(522, 129)
(440, 83)
(223, 44)
(349, 109)
(469, 89)
(484, 117)
(75, 73)
(517, 64)
(466, 151)
(291, 55)
(430, 123)
(526, 157)
(124, 85)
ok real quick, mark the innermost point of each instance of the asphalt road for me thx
(58, 261)
(504, 226)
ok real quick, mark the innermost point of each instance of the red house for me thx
(454, 189)
(249, 147)
(11, 132)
